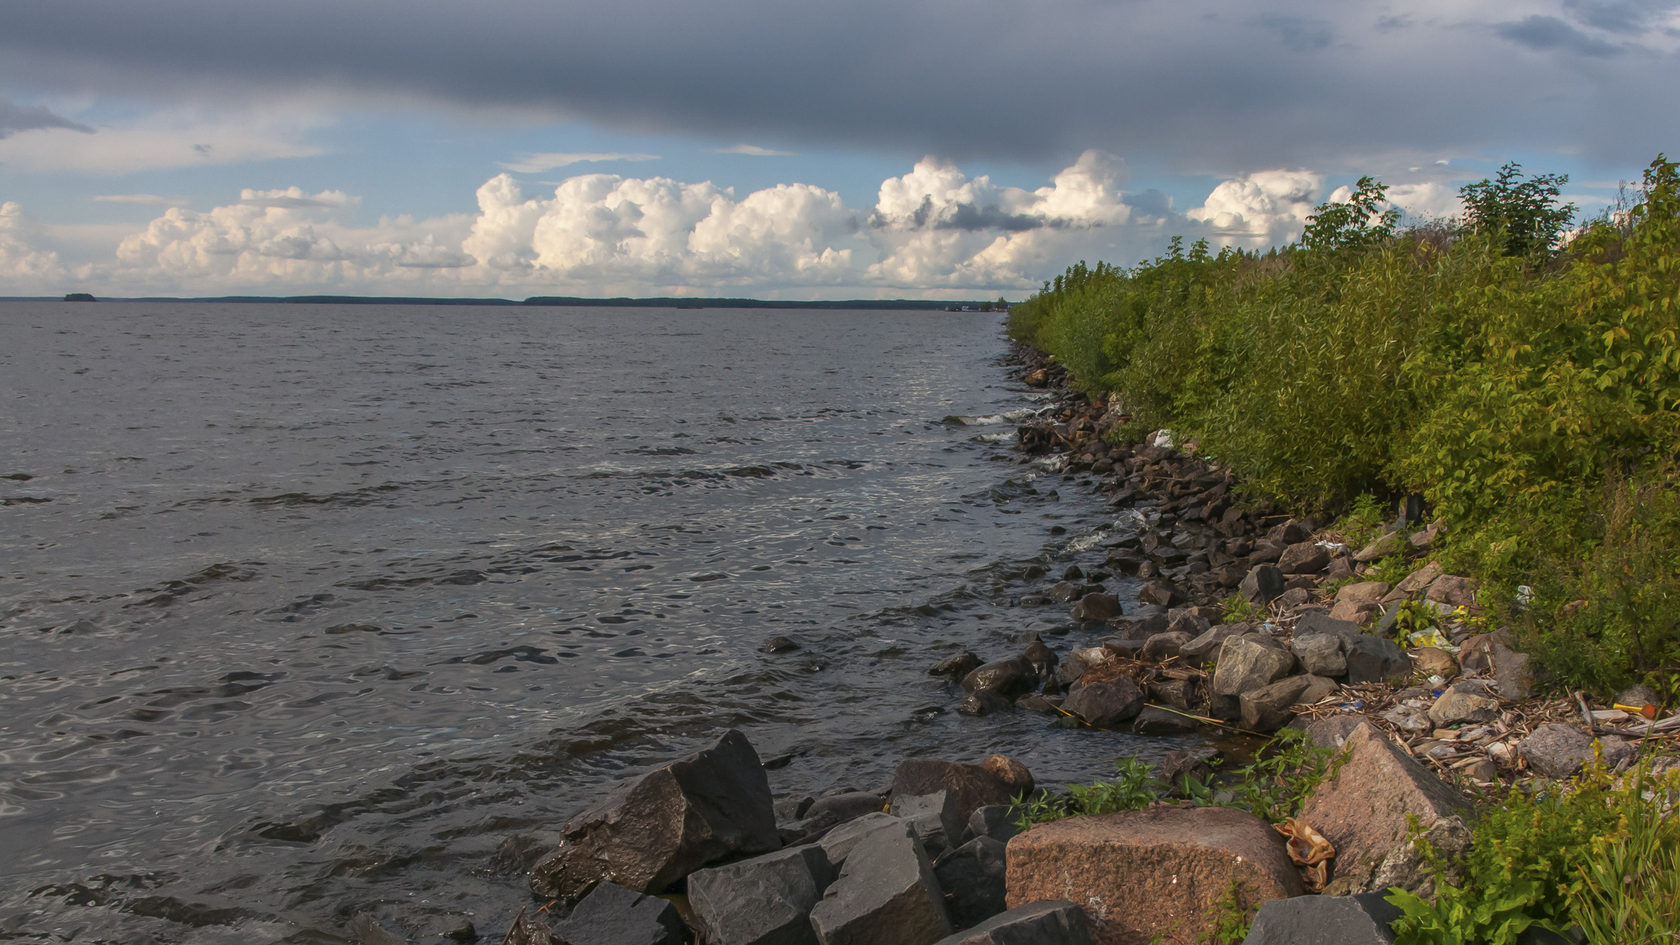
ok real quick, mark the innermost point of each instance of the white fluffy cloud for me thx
(25, 267)
(1260, 209)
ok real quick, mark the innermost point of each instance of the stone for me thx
(1558, 750)
(1332, 731)
(614, 915)
(933, 818)
(1364, 592)
(1177, 693)
(1359, 612)
(1293, 597)
(778, 645)
(1245, 664)
(1366, 808)
(1382, 547)
(972, 878)
(1464, 701)
(1318, 689)
(1291, 532)
(1262, 585)
(1038, 923)
(994, 820)
(1007, 678)
(1319, 653)
(982, 703)
(1157, 871)
(1188, 622)
(1414, 584)
(1409, 718)
(956, 666)
(1105, 704)
(1340, 567)
(1267, 709)
(1304, 557)
(1434, 661)
(1513, 671)
(1324, 920)
(1406, 866)
(1195, 765)
(1207, 644)
(838, 843)
(1042, 659)
(766, 900)
(655, 829)
(996, 781)
(1157, 721)
(1454, 591)
(1164, 646)
(886, 894)
(1095, 608)
(1161, 593)
(825, 813)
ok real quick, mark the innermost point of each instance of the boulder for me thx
(655, 829)
(1041, 658)
(1454, 591)
(972, 877)
(1303, 557)
(838, 843)
(1105, 704)
(1434, 661)
(1374, 659)
(1414, 584)
(1513, 671)
(933, 818)
(1157, 721)
(1364, 592)
(886, 894)
(1164, 646)
(614, 915)
(956, 666)
(1385, 545)
(1038, 923)
(1365, 809)
(1245, 664)
(1557, 750)
(1161, 593)
(995, 781)
(994, 820)
(1360, 612)
(1319, 653)
(766, 900)
(1157, 871)
(1467, 700)
(1408, 868)
(1262, 585)
(1006, 678)
(828, 812)
(1267, 709)
(981, 703)
(1208, 643)
(1324, 920)
(1095, 608)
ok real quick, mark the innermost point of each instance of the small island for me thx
(79, 297)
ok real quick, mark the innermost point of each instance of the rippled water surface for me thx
(316, 610)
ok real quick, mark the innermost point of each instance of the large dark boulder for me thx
(613, 915)
(1007, 678)
(971, 787)
(1037, 923)
(886, 894)
(766, 900)
(1324, 920)
(656, 829)
(972, 879)
(1106, 704)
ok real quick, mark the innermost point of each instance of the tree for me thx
(1363, 219)
(1523, 215)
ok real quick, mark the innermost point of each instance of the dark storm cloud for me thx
(1197, 83)
(15, 118)
(1547, 33)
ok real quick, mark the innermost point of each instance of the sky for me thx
(867, 149)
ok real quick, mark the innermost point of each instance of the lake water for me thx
(316, 610)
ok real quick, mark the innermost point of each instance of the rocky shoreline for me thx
(1245, 619)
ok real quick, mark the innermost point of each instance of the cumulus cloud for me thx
(25, 266)
(1260, 209)
(936, 194)
(536, 163)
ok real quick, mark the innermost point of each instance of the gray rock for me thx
(1161, 593)
(995, 781)
(1557, 750)
(1245, 664)
(1007, 678)
(1107, 703)
(613, 915)
(983, 703)
(828, 812)
(1036, 923)
(1177, 693)
(1208, 643)
(1332, 731)
(956, 666)
(1375, 659)
(1513, 671)
(1157, 721)
(972, 878)
(933, 818)
(1267, 709)
(1041, 658)
(766, 900)
(994, 820)
(654, 830)
(1320, 653)
(838, 843)
(1464, 701)
(1095, 608)
(1303, 557)
(1324, 920)
(1164, 646)
(1262, 585)
(1407, 868)
(886, 894)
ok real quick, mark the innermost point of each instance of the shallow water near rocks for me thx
(310, 611)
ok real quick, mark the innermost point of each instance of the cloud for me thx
(25, 266)
(1281, 83)
(15, 118)
(1260, 209)
(936, 194)
(536, 163)
(1547, 33)
(143, 200)
(162, 141)
(754, 150)
(293, 198)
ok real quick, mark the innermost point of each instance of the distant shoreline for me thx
(561, 301)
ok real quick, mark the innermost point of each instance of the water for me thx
(316, 610)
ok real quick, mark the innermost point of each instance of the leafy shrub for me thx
(1283, 774)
